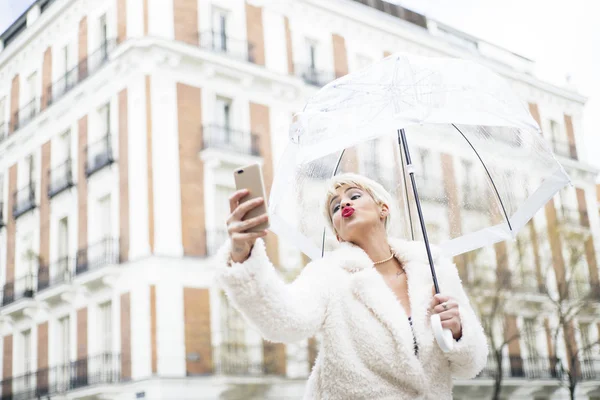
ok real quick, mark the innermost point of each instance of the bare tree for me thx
(490, 295)
(573, 297)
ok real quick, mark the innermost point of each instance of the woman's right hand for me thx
(242, 241)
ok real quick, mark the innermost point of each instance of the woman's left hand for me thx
(448, 310)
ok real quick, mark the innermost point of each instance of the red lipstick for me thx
(347, 212)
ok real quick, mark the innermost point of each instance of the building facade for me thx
(120, 124)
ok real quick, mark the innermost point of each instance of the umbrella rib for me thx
(489, 176)
(337, 165)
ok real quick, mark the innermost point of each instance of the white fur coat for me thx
(367, 343)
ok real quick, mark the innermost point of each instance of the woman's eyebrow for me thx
(335, 197)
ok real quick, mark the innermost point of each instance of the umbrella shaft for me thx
(404, 146)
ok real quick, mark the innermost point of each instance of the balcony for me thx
(575, 219)
(95, 264)
(218, 42)
(516, 367)
(26, 114)
(24, 200)
(99, 155)
(431, 189)
(80, 72)
(54, 274)
(590, 369)
(21, 288)
(225, 138)
(60, 178)
(312, 76)
(564, 149)
(97, 371)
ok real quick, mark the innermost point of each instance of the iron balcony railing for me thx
(23, 200)
(313, 76)
(60, 178)
(56, 273)
(101, 369)
(85, 68)
(99, 155)
(219, 42)
(20, 288)
(564, 149)
(225, 138)
(26, 113)
(590, 369)
(523, 368)
(98, 255)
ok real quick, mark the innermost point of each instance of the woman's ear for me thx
(385, 211)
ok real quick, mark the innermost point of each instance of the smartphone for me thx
(250, 177)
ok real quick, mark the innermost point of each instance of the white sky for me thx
(562, 36)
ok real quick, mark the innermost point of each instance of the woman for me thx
(370, 300)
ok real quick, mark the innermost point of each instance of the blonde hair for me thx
(374, 189)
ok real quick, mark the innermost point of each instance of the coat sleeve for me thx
(281, 312)
(469, 355)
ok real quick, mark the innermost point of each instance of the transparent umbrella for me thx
(410, 123)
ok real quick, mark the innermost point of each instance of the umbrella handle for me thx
(443, 337)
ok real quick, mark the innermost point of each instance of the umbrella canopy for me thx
(482, 168)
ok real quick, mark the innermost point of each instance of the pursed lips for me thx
(347, 212)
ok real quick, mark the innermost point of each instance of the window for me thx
(102, 30)
(2, 116)
(586, 343)
(312, 51)
(65, 60)
(219, 29)
(63, 242)
(31, 86)
(64, 147)
(28, 259)
(64, 340)
(530, 337)
(104, 119)
(104, 217)
(105, 328)
(63, 354)
(233, 349)
(554, 131)
(223, 117)
(27, 359)
(424, 163)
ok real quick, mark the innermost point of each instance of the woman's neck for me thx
(376, 245)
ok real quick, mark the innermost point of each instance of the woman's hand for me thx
(448, 310)
(242, 241)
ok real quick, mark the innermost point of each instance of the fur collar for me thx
(369, 287)
(352, 258)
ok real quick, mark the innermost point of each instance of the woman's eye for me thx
(335, 209)
(355, 196)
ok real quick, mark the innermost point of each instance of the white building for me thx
(120, 123)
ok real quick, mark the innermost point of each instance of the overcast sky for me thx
(562, 37)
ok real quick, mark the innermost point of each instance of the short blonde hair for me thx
(374, 189)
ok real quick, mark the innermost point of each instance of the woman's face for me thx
(354, 213)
